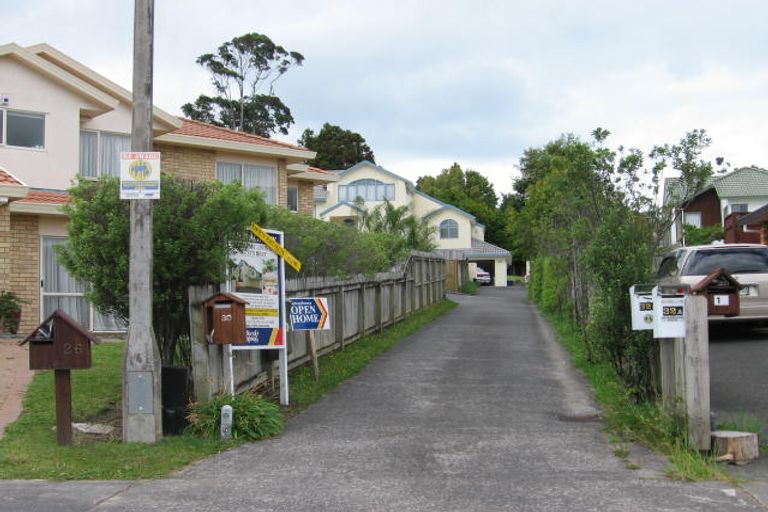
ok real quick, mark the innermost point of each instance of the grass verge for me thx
(645, 423)
(339, 366)
(29, 449)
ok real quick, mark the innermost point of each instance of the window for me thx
(262, 177)
(693, 219)
(293, 199)
(100, 153)
(368, 190)
(739, 208)
(449, 228)
(22, 129)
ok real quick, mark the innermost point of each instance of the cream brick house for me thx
(456, 231)
(60, 119)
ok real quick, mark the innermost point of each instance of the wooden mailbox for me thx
(225, 319)
(722, 292)
(60, 344)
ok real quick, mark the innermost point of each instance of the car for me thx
(747, 263)
(482, 277)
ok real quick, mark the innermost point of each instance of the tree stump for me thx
(735, 447)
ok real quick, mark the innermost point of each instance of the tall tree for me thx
(473, 193)
(240, 70)
(336, 147)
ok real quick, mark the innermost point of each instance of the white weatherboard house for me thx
(455, 230)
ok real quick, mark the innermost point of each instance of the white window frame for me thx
(4, 128)
(99, 170)
(388, 189)
(449, 225)
(242, 176)
(688, 219)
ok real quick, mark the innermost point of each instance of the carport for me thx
(491, 258)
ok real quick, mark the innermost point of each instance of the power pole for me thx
(142, 413)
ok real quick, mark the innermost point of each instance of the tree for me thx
(336, 147)
(472, 192)
(399, 221)
(239, 69)
(196, 227)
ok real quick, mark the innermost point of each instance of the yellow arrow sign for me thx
(276, 247)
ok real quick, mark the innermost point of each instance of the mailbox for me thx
(59, 343)
(641, 302)
(669, 311)
(722, 292)
(225, 319)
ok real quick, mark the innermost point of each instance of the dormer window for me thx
(449, 228)
(22, 129)
(367, 190)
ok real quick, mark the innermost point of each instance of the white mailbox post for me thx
(669, 311)
(641, 301)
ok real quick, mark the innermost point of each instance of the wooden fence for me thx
(358, 306)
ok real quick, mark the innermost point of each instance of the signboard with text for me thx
(140, 175)
(309, 314)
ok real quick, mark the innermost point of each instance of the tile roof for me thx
(46, 197)
(744, 182)
(481, 247)
(209, 131)
(7, 178)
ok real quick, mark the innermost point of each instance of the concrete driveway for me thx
(477, 412)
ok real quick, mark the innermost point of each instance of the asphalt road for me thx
(738, 372)
(479, 411)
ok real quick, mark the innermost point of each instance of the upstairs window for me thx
(693, 219)
(22, 129)
(449, 228)
(367, 190)
(739, 208)
(262, 177)
(100, 153)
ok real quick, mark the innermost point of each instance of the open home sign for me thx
(310, 314)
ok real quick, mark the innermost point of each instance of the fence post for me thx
(392, 303)
(379, 305)
(340, 307)
(696, 367)
(361, 311)
(206, 359)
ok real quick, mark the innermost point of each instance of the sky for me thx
(430, 83)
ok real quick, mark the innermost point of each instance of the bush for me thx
(10, 310)
(470, 288)
(253, 417)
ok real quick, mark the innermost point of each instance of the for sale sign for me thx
(310, 314)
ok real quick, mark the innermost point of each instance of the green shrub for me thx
(470, 288)
(554, 285)
(534, 285)
(253, 417)
(10, 308)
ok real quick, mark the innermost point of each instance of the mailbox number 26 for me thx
(70, 348)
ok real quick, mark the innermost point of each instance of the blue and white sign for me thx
(309, 314)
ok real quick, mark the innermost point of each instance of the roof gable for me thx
(744, 182)
(365, 163)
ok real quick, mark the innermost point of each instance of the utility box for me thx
(669, 310)
(722, 292)
(225, 319)
(59, 343)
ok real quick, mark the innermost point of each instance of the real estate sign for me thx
(140, 175)
(309, 314)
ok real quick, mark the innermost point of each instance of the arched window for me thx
(368, 190)
(449, 228)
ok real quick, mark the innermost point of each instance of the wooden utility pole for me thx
(142, 415)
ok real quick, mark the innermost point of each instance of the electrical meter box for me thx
(722, 292)
(225, 319)
(641, 302)
(59, 343)
(669, 311)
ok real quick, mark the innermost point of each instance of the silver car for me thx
(747, 263)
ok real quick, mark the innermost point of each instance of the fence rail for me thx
(358, 306)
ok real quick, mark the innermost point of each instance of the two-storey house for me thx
(60, 119)
(456, 231)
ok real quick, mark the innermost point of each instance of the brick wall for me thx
(188, 163)
(282, 183)
(5, 245)
(25, 277)
(306, 198)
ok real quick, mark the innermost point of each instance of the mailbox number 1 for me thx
(70, 349)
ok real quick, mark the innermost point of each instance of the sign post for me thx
(258, 277)
(310, 314)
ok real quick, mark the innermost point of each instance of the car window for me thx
(740, 260)
(668, 266)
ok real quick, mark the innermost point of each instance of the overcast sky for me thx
(474, 82)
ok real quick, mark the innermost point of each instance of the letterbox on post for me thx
(722, 292)
(60, 344)
(225, 319)
(669, 311)
(641, 302)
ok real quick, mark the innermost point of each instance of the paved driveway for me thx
(474, 413)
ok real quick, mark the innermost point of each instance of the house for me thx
(723, 200)
(456, 231)
(60, 119)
